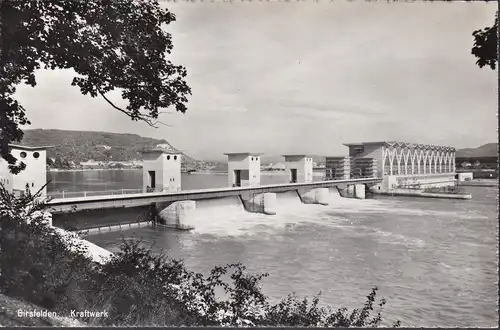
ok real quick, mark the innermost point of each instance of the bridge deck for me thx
(134, 200)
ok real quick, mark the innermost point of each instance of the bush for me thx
(138, 288)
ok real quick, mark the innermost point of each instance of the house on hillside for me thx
(166, 147)
(91, 164)
(103, 146)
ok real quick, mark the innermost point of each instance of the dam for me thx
(174, 208)
(161, 200)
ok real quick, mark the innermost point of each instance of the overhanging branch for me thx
(146, 118)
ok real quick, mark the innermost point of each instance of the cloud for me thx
(310, 76)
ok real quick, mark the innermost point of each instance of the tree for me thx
(59, 163)
(110, 44)
(485, 45)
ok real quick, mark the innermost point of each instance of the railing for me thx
(73, 194)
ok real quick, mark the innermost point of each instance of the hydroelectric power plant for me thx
(373, 167)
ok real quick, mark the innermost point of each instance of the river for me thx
(434, 260)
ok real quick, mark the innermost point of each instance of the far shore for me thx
(92, 169)
(263, 172)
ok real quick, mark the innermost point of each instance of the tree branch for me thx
(146, 118)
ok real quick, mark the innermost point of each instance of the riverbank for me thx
(411, 193)
(479, 183)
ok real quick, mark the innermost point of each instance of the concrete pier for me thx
(359, 191)
(350, 189)
(260, 203)
(176, 214)
(314, 196)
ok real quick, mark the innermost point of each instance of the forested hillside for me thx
(81, 146)
(486, 150)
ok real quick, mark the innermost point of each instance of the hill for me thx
(487, 150)
(81, 146)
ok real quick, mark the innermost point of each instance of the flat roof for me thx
(18, 146)
(243, 153)
(296, 155)
(407, 144)
(362, 143)
(163, 151)
(337, 156)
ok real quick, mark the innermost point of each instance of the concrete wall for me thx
(35, 174)
(260, 203)
(417, 182)
(254, 172)
(314, 196)
(103, 217)
(337, 168)
(303, 165)
(374, 151)
(171, 172)
(249, 166)
(152, 161)
(175, 215)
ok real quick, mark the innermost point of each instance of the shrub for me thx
(139, 288)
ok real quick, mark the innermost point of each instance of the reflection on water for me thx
(434, 260)
(132, 179)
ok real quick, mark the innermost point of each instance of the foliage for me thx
(485, 47)
(109, 44)
(139, 288)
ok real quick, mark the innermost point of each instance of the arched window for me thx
(168, 157)
(175, 157)
(430, 163)
(422, 162)
(36, 154)
(387, 163)
(23, 154)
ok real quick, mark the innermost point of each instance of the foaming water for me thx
(288, 200)
(219, 216)
(435, 261)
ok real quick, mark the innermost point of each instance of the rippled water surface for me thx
(434, 260)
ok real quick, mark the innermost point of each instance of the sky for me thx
(305, 77)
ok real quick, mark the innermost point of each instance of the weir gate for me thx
(172, 208)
